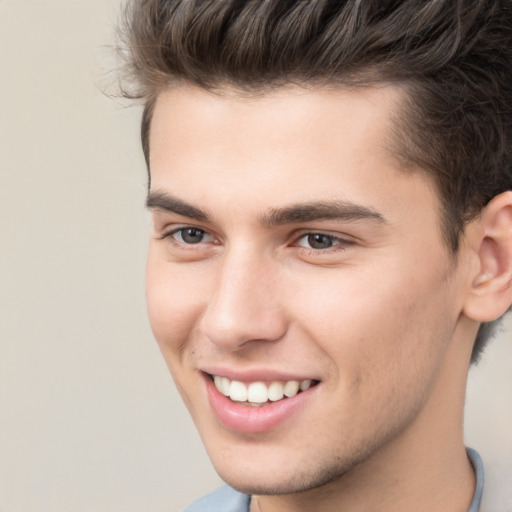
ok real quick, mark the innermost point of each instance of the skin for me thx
(379, 318)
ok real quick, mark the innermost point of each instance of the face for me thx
(294, 267)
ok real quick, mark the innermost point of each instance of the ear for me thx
(491, 289)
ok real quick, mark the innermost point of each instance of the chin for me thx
(267, 481)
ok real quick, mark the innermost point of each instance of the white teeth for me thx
(275, 391)
(225, 384)
(305, 384)
(259, 392)
(291, 388)
(222, 384)
(238, 391)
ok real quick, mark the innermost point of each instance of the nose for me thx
(245, 303)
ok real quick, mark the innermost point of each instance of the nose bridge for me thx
(244, 305)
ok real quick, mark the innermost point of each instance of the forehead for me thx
(330, 118)
(288, 146)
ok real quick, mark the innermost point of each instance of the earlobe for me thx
(491, 288)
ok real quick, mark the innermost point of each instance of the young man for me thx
(332, 231)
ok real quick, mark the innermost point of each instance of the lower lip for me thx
(252, 420)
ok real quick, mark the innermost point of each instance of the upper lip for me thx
(256, 374)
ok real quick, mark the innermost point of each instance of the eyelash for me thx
(332, 240)
(337, 243)
(180, 231)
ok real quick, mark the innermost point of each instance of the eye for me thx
(318, 241)
(191, 235)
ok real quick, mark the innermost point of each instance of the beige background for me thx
(89, 419)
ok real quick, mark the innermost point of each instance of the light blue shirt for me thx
(227, 499)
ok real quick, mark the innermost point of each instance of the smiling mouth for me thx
(259, 393)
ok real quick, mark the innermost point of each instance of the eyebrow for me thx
(331, 210)
(296, 213)
(162, 201)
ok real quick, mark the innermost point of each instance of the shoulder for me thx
(224, 499)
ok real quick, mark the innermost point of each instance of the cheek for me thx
(375, 324)
(173, 303)
(385, 346)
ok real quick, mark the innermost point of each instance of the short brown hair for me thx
(452, 57)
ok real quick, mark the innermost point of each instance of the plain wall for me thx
(89, 418)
